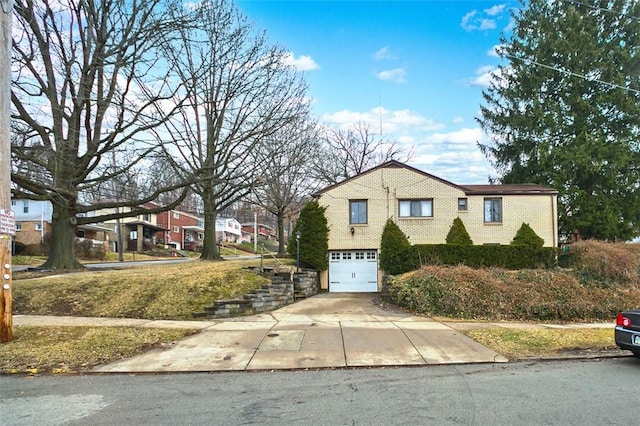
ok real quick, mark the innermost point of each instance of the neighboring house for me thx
(228, 230)
(33, 222)
(33, 225)
(185, 230)
(424, 207)
(264, 231)
(139, 232)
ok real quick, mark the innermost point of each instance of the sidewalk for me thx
(324, 331)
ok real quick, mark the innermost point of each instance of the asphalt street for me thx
(570, 392)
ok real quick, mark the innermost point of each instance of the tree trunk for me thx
(61, 244)
(282, 251)
(209, 248)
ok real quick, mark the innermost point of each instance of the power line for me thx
(582, 76)
(603, 9)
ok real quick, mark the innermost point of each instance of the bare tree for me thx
(285, 163)
(348, 152)
(240, 93)
(88, 79)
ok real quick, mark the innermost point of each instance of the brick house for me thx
(185, 230)
(33, 226)
(424, 207)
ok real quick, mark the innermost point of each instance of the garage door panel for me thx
(353, 271)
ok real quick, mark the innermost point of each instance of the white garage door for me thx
(353, 271)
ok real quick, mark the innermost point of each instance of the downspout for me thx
(554, 220)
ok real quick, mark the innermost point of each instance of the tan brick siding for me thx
(28, 234)
(383, 188)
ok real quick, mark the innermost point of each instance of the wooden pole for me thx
(6, 315)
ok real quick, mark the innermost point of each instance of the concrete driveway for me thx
(326, 330)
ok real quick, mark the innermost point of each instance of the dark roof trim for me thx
(508, 189)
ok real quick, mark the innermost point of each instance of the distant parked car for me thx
(628, 331)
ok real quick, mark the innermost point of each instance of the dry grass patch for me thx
(174, 291)
(60, 350)
(518, 343)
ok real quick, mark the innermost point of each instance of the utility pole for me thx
(7, 221)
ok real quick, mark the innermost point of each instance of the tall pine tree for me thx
(564, 111)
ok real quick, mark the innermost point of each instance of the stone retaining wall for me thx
(284, 289)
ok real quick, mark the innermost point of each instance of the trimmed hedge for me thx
(392, 245)
(485, 256)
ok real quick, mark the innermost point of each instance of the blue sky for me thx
(415, 69)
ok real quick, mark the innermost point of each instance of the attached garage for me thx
(353, 271)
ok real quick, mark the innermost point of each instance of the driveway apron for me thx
(326, 330)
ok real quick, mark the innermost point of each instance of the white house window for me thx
(493, 210)
(358, 211)
(13, 203)
(18, 227)
(462, 204)
(38, 227)
(416, 208)
(176, 215)
(176, 229)
(200, 236)
(146, 217)
(25, 206)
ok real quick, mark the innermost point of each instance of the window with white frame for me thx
(25, 206)
(18, 227)
(415, 208)
(357, 212)
(176, 229)
(176, 215)
(493, 210)
(462, 204)
(38, 227)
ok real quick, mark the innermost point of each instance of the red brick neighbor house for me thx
(185, 231)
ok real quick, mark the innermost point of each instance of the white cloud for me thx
(494, 51)
(495, 10)
(463, 137)
(475, 20)
(452, 155)
(401, 122)
(483, 76)
(466, 20)
(301, 63)
(457, 120)
(383, 53)
(487, 24)
(396, 75)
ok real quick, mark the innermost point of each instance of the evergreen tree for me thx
(393, 244)
(314, 237)
(458, 234)
(527, 236)
(565, 111)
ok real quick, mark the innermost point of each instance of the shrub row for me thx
(507, 257)
(498, 294)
